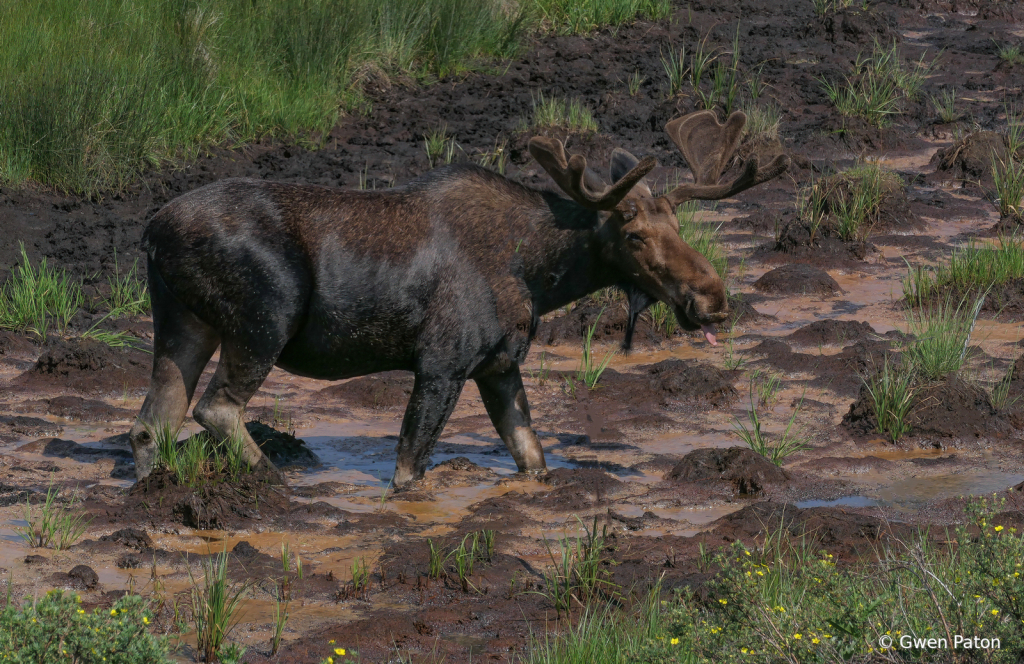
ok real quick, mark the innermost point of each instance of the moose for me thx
(446, 276)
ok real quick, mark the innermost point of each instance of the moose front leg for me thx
(505, 400)
(431, 404)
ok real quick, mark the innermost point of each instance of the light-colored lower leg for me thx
(504, 398)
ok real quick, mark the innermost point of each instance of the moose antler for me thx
(708, 146)
(571, 175)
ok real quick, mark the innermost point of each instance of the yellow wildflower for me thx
(798, 636)
(339, 651)
(998, 528)
(674, 641)
(722, 601)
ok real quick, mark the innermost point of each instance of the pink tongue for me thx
(709, 334)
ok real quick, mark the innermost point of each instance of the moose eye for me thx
(633, 237)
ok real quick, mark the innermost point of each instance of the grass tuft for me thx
(892, 391)
(788, 443)
(215, 604)
(553, 112)
(34, 299)
(973, 268)
(574, 17)
(942, 329)
(54, 527)
(945, 105)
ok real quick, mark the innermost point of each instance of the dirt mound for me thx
(950, 409)
(283, 449)
(381, 391)
(840, 372)
(86, 410)
(839, 530)
(667, 382)
(747, 471)
(831, 332)
(459, 471)
(611, 326)
(133, 538)
(970, 159)
(14, 345)
(17, 427)
(798, 279)
(219, 503)
(86, 365)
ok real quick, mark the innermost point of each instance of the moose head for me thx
(640, 233)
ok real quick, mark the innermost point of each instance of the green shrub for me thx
(790, 602)
(55, 628)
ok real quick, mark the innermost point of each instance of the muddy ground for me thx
(650, 454)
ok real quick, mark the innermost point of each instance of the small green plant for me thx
(497, 158)
(55, 527)
(942, 329)
(589, 371)
(1000, 394)
(1008, 176)
(360, 576)
(129, 294)
(488, 536)
(570, 114)
(578, 574)
(892, 389)
(1011, 53)
(663, 319)
(767, 388)
(762, 121)
(35, 298)
(675, 69)
(973, 268)
(700, 60)
(702, 237)
(574, 17)
(280, 619)
(439, 145)
(634, 83)
(199, 458)
(55, 628)
(215, 602)
(465, 561)
(944, 104)
(436, 563)
(790, 441)
(732, 360)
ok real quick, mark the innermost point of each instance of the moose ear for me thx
(623, 162)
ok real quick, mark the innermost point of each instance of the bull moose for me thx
(446, 276)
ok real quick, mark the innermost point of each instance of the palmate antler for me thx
(708, 146)
(571, 175)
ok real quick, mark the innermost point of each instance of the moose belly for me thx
(332, 352)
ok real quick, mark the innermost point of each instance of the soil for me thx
(649, 456)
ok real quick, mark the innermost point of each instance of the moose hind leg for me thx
(182, 346)
(238, 376)
(431, 404)
(505, 400)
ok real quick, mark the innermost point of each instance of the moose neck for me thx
(565, 261)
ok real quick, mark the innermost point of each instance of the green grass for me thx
(215, 603)
(1011, 53)
(789, 601)
(92, 93)
(942, 329)
(878, 85)
(1008, 175)
(675, 68)
(578, 575)
(786, 444)
(892, 390)
(822, 7)
(762, 121)
(55, 526)
(972, 268)
(573, 17)
(702, 237)
(129, 294)
(559, 112)
(590, 368)
(38, 300)
(847, 205)
(440, 146)
(55, 628)
(944, 104)
(601, 634)
(199, 459)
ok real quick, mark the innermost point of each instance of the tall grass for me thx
(942, 329)
(892, 390)
(972, 268)
(36, 299)
(571, 114)
(54, 527)
(574, 17)
(702, 237)
(92, 92)
(215, 604)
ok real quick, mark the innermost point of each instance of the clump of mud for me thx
(841, 372)
(951, 409)
(831, 332)
(381, 391)
(283, 449)
(667, 382)
(798, 279)
(218, 502)
(611, 320)
(746, 471)
(87, 365)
